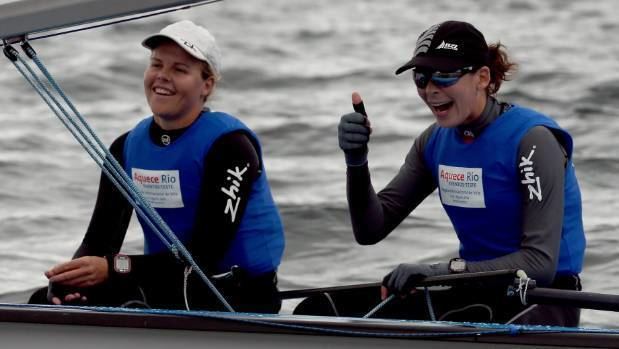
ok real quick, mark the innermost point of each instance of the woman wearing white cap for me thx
(504, 173)
(203, 173)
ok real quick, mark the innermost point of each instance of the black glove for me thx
(403, 279)
(60, 291)
(353, 136)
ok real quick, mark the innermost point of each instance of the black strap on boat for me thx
(87, 138)
(477, 279)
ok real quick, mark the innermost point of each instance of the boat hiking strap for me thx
(88, 139)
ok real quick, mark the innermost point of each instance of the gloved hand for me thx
(404, 277)
(60, 294)
(354, 134)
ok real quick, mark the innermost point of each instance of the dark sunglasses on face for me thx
(439, 79)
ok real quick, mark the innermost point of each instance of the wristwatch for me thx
(457, 265)
(122, 263)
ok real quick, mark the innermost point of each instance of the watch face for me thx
(122, 264)
(457, 265)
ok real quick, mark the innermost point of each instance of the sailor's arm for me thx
(104, 236)
(111, 215)
(225, 195)
(373, 215)
(542, 209)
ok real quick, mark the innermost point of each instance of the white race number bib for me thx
(461, 186)
(162, 189)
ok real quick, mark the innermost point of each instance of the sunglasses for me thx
(439, 79)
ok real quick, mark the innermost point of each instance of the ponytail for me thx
(501, 68)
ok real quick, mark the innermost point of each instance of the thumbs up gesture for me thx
(354, 133)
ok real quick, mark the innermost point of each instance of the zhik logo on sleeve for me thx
(529, 178)
(235, 179)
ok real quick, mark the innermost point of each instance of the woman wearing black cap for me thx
(504, 173)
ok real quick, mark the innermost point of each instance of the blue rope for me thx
(48, 98)
(118, 176)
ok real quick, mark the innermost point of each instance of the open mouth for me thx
(442, 107)
(163, 91)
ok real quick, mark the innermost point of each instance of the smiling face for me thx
(174, 86)
(460, 103)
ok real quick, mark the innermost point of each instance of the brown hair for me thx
(501, 68)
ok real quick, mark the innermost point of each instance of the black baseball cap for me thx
(448, 46)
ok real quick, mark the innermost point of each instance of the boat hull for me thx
(23, 326)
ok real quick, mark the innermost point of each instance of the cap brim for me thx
(155, 40)
(437, 63)
(408, 65)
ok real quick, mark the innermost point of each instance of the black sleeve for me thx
(111, 215)
(373, 215)
(231, 167)
(541, 165)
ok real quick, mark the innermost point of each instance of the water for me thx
(289, 69)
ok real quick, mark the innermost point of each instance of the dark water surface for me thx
(289, 68)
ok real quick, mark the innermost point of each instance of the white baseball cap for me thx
(194, 39)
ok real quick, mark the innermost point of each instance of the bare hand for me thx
(383, 292)
(81, 272)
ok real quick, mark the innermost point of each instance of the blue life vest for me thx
(173, 188)
(480, 188)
